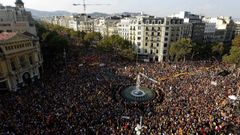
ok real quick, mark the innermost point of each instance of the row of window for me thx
(12, 47)
(152, 45)
(153, 28)
(154, 22)
(151, 51)
(5, 24)
(139, 38)
(154, 34)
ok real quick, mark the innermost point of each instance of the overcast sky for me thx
(154, 7)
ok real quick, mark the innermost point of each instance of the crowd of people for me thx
(84, 99)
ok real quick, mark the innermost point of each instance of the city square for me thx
(118, 74)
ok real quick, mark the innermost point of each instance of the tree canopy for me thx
(234, 55)
(217, 49)
(117, 45)
(180, 49)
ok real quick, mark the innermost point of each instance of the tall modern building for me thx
(152, 36)
(16, 19)
(20, 60)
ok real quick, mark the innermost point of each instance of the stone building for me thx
(20, 60)
(16, 19)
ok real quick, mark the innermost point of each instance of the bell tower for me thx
(19, 4)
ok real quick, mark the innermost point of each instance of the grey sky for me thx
(154, 7)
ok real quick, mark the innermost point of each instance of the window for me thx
(139, 38)
(146, 33)
(167, 28)
(139, 28)
(151, 44)
(13, 65)
(139, 50)
(157, 44)
(138, 43)
(151, 52)
(156, 51)
(166, 39)
(146, 44)
(165, 44)
(22, 61)
(30, 60)
(145, 50)
(158, 33)
(139, 33)
(166, 34)
(165, 52)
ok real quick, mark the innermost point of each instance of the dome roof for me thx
(19, 2)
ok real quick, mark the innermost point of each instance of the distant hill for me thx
(38, 13)
(98, 14)
(130, 14)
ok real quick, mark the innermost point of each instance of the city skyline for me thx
(153, 7)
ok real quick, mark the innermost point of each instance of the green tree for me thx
(117, 46)
(218, 49)
(180, 49)
(92, 37)
(234, 54)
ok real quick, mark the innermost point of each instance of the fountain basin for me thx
(135, 94)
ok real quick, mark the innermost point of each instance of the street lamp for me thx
(139, 127)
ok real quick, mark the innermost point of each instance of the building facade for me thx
(124, 27)
(237, 28)
(198, 27)
(209, 32)
(152, 36)
(224, 28)
(16, 19)
(20, 60)
(107, 26)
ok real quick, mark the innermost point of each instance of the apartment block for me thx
(152, 36)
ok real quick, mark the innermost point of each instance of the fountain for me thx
(137, 93)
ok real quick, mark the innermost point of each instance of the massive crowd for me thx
(84, 99)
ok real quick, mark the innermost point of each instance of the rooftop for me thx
(7, 35)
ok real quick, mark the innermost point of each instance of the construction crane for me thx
(85, 5)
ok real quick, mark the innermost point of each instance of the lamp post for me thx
(139, 126)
